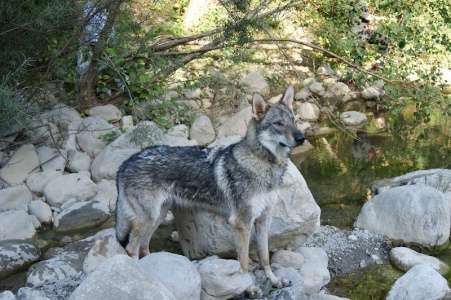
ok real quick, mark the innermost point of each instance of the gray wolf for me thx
(241, 182)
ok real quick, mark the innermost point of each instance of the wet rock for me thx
(105, 246)
(130, 283)
(90, 131)
(81, 215)
(222, 279)
(16, 255)
(176, 272)
(405, 258)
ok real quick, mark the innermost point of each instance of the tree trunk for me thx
(87, 83)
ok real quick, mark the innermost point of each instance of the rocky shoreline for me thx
(71, 189)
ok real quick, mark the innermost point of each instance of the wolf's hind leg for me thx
(261, 228)
(145, 240)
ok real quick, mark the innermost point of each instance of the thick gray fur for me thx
(240, 182)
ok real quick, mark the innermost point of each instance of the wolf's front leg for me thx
(262, 227)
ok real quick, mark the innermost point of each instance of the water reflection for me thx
(339, 169)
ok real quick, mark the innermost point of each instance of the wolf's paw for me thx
(254, 292)
(281, 282)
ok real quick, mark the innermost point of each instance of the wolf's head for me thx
(275, 127)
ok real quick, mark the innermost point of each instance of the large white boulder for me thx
(120, 278)
(15, 197)
(413, 213)
(405, 259)
(90, 134)
(17, 224)
(256, 83)
(23, 162)
(109, 112)
(202, 130)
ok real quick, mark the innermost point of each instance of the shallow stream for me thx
(339, 171)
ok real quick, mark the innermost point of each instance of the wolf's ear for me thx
(259, 106)
(288, 97)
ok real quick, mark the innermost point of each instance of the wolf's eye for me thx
(279, 123)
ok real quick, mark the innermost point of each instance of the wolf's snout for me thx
(299, 138)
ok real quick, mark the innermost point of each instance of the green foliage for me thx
(111, 136)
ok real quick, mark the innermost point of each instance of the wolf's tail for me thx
(122, 221)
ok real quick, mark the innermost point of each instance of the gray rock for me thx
(65, 265)
(322, 296)
(70, 140)
(370, 93)
(127, 122)
(237, 125)
(287, 258)
(109, 113)
(26, 293)
(7, 295)
(256, 83)
(78, 161)
(52, 159)
(317, 88)
(81, 215)
(105, 246)
(23, 162)
(325, 71)
(40, 210)
(16, 197)
(222, 279)
(90, 131)
(314, 254)
(307, 111)
(308, 81)
(421, 282)
(303, 95)
(176, 272)
(62, 115)
(413, 213)
(37, 181)
(315, 276)
(338, 90)
(180, 130)
(17, 224)
(64, 187)
(192, 94)
(353, 118)
(130, 283)
(405, 259)
(202, 130)
(295, 291)
(296, 215)
(16, 255)
(106, 193)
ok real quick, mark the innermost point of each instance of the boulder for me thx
(40, 210)
(26, 293)
(120, 278)
(353, 118)
(23, 162)
(37, 181)
(7, 295)
(15, 197)
(286, 258)
(405, 259)
(180, 130)
(255, 83)
(295, 216)
(202, 131)
(16, 255)
(89, 137)
(237, 125)
(63, 266)
(436, 178)
(413, 214)
(62, 115)
(81, 215)
(176, 272)
(109, 112)
(106, 193)
(64, 187)
(370, 93)
(192, 94)
(17, 224)
(421, 282)
(303, 95)
(307, 111)
(314, 276)
(222, 279)
(52, 159)
(70, 140)
(78, 161)
(105, 246)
